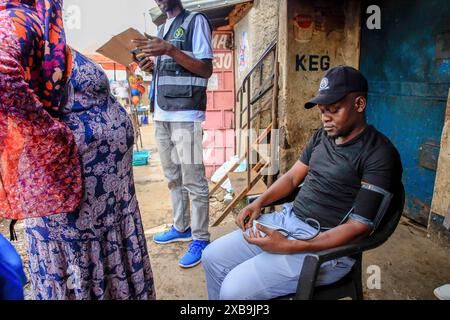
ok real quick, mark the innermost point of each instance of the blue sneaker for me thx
(173, 236)
(194, 254)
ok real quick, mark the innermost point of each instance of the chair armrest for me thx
(360, 245)
(350, 249)
(346, 250)
(311, 267)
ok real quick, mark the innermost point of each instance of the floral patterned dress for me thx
(98, 251)
(66, 163)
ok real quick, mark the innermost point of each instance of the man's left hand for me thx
(273, 242)
(153, 46)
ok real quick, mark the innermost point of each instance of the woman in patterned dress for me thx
(65, 163)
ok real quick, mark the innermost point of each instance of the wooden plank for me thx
(225, 176)
(236, 200)
(239, 12)
(441, 195)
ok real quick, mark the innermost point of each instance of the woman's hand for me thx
(244, 219)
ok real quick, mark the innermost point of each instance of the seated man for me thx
(340, 157)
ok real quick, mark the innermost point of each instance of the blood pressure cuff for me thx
(371, 204)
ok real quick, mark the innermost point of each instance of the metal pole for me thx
(137, 131)
(241, 106)
(273, 146)
(249, 169)
(145, 23)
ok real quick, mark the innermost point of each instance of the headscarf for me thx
(40, 168)
(55, 66)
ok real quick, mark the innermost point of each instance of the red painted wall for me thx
(219, 142)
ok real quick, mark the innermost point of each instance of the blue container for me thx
(143, 120)
(140, 158)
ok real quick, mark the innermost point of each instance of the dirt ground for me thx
(411, 264)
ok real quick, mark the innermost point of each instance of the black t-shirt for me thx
(333, 183)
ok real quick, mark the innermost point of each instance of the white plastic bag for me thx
(225, 168)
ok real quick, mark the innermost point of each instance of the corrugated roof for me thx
(216, 10)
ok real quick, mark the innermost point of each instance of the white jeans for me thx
(237, 270)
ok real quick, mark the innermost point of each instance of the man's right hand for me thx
(244, 219)
(147, 64)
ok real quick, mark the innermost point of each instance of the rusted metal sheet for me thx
(429, 155)
(443, 45)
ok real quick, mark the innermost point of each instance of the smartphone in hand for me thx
(138, 55)
(280, 230)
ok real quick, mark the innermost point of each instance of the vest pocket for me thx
(179, 89)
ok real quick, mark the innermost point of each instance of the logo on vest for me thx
(179, 33)
(324, 84)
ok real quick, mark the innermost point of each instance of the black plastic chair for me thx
(351, 284)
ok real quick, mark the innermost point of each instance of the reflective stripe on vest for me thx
(179, 81)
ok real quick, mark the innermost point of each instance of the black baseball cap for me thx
(337, 83)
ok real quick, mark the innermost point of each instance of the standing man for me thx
(184, 56)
